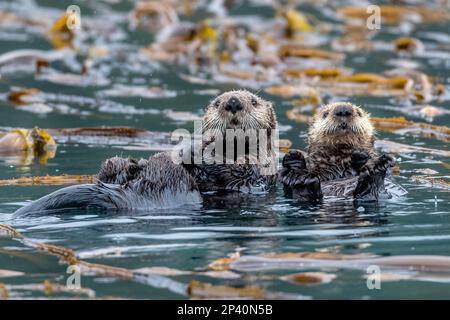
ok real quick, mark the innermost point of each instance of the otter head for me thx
(239, 109)
(341, 123)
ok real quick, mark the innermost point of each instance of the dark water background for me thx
(188, 239)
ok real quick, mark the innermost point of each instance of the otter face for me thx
(341, 119)
(239, 109)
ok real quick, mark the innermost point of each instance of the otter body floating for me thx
(129, 184)
(341, 160)
(159, 182)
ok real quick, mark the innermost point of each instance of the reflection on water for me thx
(125, 89)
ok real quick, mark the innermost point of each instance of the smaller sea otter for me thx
(341, 159)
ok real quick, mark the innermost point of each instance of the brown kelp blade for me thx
(147, 276)
(48, 180)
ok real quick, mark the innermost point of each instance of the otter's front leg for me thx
(371, 178)
(358, 159)
(296, 178)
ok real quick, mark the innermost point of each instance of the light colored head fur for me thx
(328, 128)
(256, 113)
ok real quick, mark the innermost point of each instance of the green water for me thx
(418, 224)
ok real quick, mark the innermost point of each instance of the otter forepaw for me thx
(381, 164)
(308, 188)
(359, 159)
(371, 179)
(294, 160)
(384, 162)
(312, 187)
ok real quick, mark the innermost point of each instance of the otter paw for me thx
(371, 179)
(359, 159)
(294, 160)
(310, 189)
(312, 185)
(381, 164)
(385, 161)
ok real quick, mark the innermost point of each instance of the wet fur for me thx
(247, 177)
(124, 183)
(157, 182)
(341, 160)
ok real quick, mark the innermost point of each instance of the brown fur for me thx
(256, 113)
(242, 175)
(330, 144)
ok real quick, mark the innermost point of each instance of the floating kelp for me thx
(47, 288)
(289, 91)
(426, 112)
(182, 116)
(224, 263)
(430, 112)
(34, 101)
(199, 290)
(22, 95)
(4, 294)
(157, 141)
(35, 142)
(397, 125)
(153, 15)
(396, 14)
(402, 126)
(48, 180)
(60, 35)
(164, 271)
(8, 231)
(408, 45)
(129, 132)
(442, 183)
(9, 19)
(197, 42)
(324, 73)
(72, 79)
(36, 59)
(395, 83)
(295, 22)
(138, 91)
(148, 276)
(423, 268)
(317, 255)
(387, 146)
(309, 278)
(297, 51)
(375, 80)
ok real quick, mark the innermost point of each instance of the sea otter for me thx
(238, 135)
(124, 183)
(341, 159)
(159, 182)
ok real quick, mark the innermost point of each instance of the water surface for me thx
(190, 239)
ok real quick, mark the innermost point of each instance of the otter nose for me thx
(233, 105)
(343, 111)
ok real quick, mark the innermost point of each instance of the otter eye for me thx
(325, 114)
(254, 102)
(359, 113)
(217, 103)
